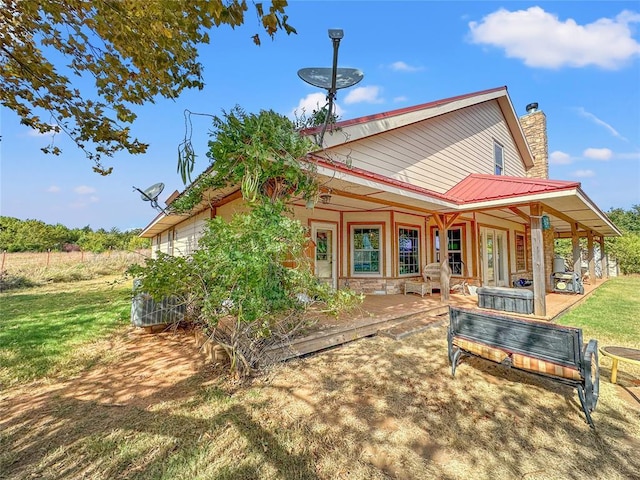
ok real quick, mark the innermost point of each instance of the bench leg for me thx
(455, 359)
(614, 370)
(583, 402)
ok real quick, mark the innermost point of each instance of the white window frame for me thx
(380, 250)
(417, 251)
(498, 158)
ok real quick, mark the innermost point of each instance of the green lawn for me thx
(42, 329)
(611, 314)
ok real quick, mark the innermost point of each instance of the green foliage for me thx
(264, 153)
(252, 270)
(130, 51)
(626, 220)
(36, 236)
(626, 248)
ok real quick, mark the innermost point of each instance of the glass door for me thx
(325, 238)
(493, 251)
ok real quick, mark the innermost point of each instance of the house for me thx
(394, 184)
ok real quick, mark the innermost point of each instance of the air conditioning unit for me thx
(146, 312)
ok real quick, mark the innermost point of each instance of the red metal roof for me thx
(477, 187)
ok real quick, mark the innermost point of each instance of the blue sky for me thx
(579, 60)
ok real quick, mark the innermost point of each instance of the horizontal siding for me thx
(439, 152)
(188, 233)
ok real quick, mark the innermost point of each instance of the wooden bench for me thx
(431, 277)
(553, 351)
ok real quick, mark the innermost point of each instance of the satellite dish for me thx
(331, 79)
(151, 194)
(321, 77)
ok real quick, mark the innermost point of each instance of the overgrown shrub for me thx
(249, 285)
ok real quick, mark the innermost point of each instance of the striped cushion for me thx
(535, 365)
(480, 349)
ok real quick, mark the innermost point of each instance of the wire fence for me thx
(21, 260)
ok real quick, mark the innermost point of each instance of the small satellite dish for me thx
(151, 194)
(321, 77)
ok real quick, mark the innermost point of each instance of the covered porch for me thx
(398, 316)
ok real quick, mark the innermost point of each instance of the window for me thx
(366, 250)
(521, 252)
(498, 158)
(455, 250)
(408, 253)
(170, 240)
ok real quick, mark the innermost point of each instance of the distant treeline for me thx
(35, 236)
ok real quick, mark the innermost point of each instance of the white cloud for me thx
(628, 156)
(84, 190)
(603, 154)
(94, 199)
(364, 94)
(602, 123)
(400, 99)
(53, 189)
(559, 158)
(404, 67)
(584, 173)
(313, 101)
(542, 40)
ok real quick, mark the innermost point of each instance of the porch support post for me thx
(445, 271)
(575, 244)
(592, 257)
(537, 254)
(603, 260)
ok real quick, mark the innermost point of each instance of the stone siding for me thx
(534, 126)
(375, 286)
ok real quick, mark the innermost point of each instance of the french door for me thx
(493, 252)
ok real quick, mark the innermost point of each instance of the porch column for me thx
(445, 271)
(575, 244)
(603, 260)
(592, 257)
(537, 255)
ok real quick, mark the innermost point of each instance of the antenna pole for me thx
(336, 36)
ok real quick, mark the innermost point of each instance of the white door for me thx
(325, 247)
(493, 251)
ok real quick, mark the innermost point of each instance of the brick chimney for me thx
(534, 125)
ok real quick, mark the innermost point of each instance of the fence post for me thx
(4, 256)
(48, 253)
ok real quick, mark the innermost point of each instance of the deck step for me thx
(412, 327)
(341, 334)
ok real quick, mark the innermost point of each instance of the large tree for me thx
(130, 51)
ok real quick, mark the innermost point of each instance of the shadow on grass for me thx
(38, 330)
(372, 409)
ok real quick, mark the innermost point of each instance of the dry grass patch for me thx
(373, 409)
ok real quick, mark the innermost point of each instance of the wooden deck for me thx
(397, 316)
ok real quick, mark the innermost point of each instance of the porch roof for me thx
(478, 187)
(508, 198)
